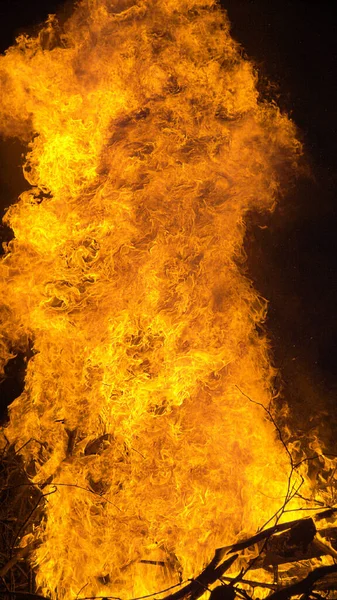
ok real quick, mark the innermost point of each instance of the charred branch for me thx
(305, 586)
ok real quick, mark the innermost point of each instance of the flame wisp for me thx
(147, 145)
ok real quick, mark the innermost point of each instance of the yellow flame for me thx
(147, 145)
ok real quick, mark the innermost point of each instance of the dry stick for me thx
(140, 454)
(81, 590)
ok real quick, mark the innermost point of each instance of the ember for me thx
(146, 421)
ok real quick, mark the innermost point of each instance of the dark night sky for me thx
(293, 261)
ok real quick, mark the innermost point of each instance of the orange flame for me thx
(147, 145)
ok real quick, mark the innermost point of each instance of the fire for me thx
(147, 145)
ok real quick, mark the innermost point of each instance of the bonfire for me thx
(145, 456)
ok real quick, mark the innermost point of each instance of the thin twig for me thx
(81, 590)
(268, 412)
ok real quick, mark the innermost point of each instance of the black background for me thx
(293, 261)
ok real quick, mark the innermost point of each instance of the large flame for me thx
(147, 145)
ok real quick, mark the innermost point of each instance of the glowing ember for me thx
(147, 147)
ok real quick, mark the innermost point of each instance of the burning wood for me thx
(148, 144)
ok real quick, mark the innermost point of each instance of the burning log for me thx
(305, 586)
(298, 543)
(305, 525)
